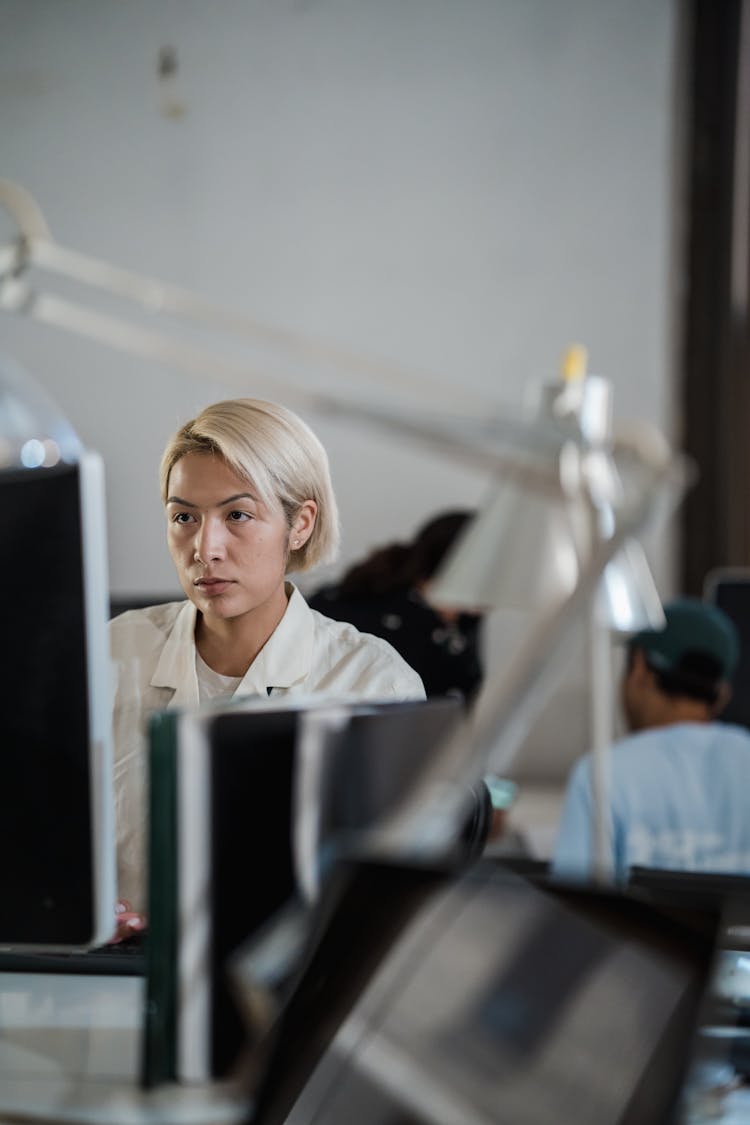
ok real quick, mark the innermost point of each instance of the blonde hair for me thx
(274, 450)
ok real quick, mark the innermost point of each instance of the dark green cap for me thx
(694, 629)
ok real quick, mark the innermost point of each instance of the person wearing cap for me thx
(679, 782)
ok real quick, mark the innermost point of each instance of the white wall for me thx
(460, 187)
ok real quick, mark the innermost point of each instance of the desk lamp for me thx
(552, 535)
(555, 475)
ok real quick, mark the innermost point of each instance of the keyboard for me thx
(126, 958)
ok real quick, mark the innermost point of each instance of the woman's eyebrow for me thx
(221, 503)
(237, 496)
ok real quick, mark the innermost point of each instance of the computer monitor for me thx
(729, 589)
(57, 888)
(428, 998)
(227, 850)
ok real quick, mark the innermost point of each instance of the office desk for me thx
(70, 1045)
(70, 1052)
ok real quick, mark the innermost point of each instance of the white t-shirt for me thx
(154, 654)
(678, 797)
(212, 685)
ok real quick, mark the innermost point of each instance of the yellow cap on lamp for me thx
(574, 363)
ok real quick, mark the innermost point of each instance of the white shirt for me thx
(154, 653)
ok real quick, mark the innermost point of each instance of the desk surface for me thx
(70, 1052)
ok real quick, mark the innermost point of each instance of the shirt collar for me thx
(175, 668)
(285, 659)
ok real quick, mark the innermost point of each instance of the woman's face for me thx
(230, 550)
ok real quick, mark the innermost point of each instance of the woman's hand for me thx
(128, 922)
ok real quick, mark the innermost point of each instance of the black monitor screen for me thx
(730, 591)
(49, 894)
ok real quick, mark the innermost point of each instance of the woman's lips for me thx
(213, 586)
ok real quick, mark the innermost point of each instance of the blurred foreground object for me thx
(57, 888)
(484, 999)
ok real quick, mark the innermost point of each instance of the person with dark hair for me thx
(388, 594)
(680, 781)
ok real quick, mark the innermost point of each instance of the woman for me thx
(248, 499)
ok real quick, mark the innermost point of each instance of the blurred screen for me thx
(45, 796)
(730, 591)
(56, 813)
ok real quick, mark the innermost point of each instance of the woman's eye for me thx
(182, 517)
(239, 517)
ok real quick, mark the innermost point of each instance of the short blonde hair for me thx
(274, 450)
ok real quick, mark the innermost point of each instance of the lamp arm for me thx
(487, 443)
(472, 432)
(508, 701)
(34, 247)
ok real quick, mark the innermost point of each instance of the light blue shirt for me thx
(679, 797)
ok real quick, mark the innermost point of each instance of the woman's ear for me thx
(304, 522)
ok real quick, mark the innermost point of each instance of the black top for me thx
(446, 656)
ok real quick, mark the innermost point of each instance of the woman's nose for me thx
(209, 542)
